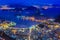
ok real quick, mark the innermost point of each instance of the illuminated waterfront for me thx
(28, 24)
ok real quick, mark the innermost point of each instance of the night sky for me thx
(30, 2)
(52, 13)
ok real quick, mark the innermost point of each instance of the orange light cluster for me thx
(33, 19)
(14, 31)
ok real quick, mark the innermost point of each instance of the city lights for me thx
(4, 7)
(29, 23)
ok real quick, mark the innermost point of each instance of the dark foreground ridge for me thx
(6, 37)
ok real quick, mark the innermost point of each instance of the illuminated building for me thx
(6, 25)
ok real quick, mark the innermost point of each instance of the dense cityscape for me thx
(28, 23)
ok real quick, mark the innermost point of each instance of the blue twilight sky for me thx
(35, 2)
(30, 2)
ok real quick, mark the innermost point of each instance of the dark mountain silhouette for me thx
(57, 19)
(6, 37)
(35, 10)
